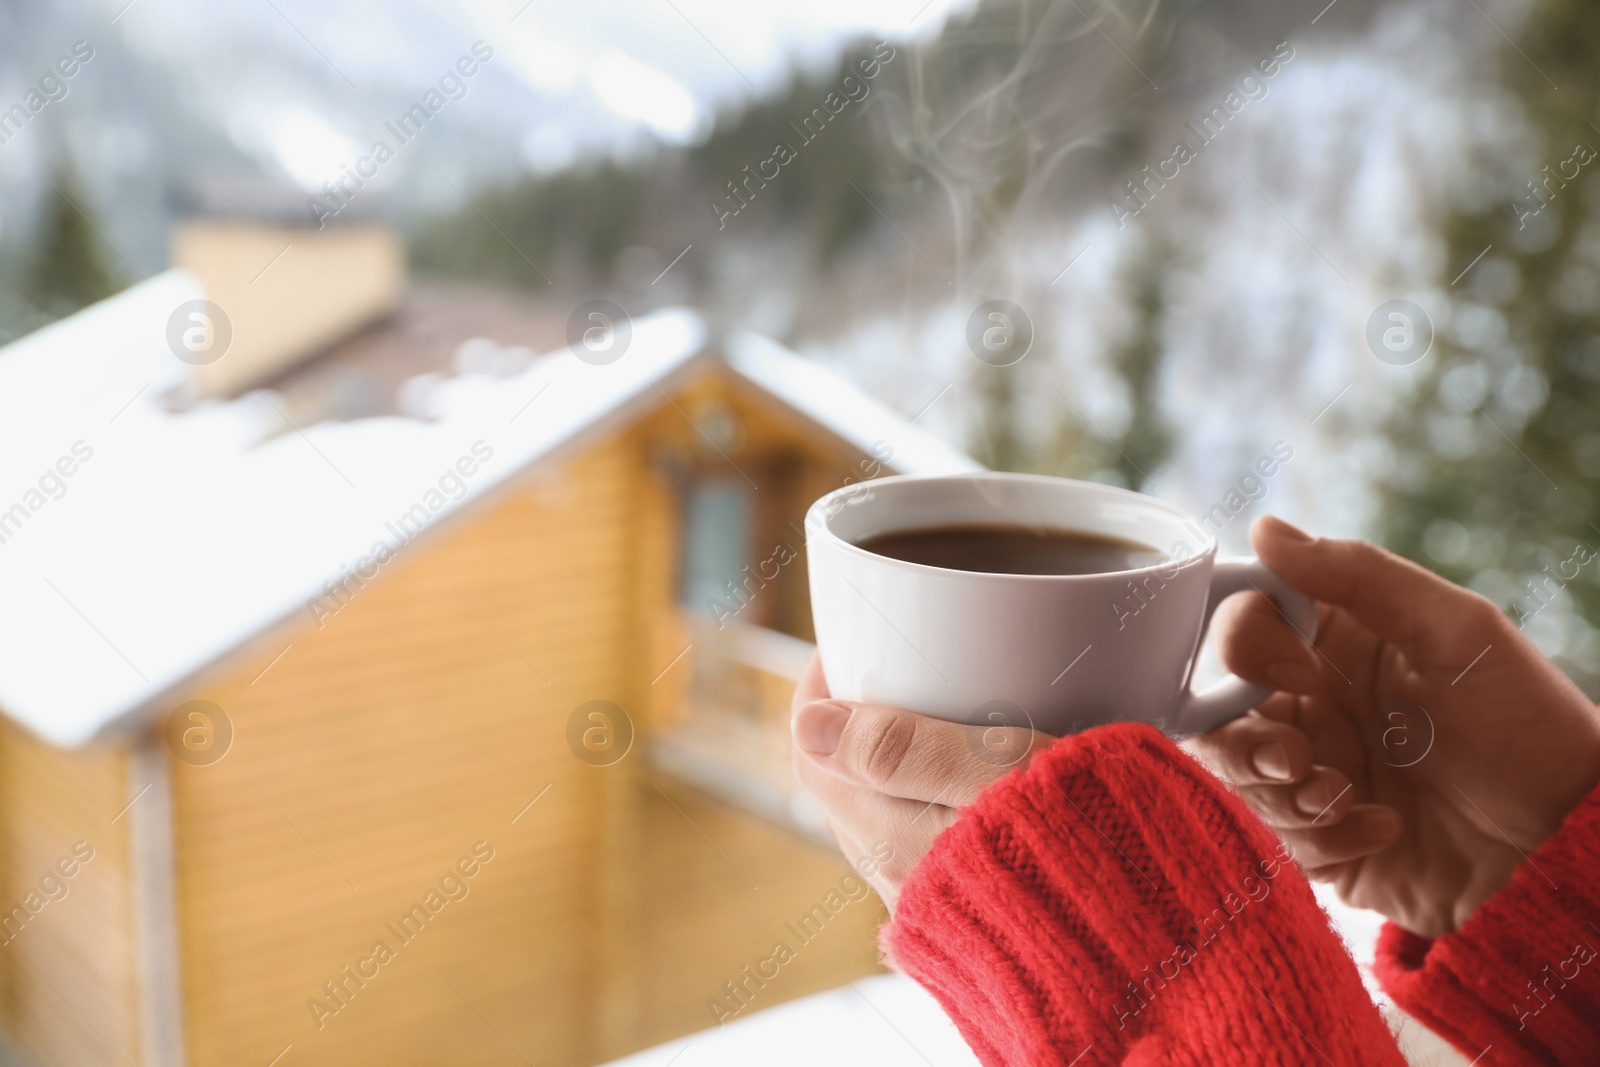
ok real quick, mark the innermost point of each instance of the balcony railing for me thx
(732, 739)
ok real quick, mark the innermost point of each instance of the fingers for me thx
(1258, 644)
(1256, 750)
(1269, 762)
(1280, 707)
(1320, 800)
(1389, 595)
(812, 685)
(863, 818)
(856, 855)
(848, 845)
(905, 755)
(1367, 830)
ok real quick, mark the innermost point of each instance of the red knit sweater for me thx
(1116, 904)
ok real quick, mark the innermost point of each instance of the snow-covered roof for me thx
(141, 547)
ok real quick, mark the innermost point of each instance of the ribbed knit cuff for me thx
(1114, 903)
(1521, 977)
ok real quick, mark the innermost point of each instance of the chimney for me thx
(289, 289)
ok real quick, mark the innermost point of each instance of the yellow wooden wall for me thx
(788, 461)
(710, 911)
(423, 718)
(700, 889)
(69, 974)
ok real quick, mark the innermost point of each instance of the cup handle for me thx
(1199, 713)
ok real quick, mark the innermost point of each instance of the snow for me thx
(186, 537)
(872, 1021)
(824, 398)
(865, 1023)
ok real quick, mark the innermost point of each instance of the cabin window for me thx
(716, 541)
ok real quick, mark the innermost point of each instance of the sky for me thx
(570, 79)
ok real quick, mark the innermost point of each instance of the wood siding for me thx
(69, 970)
(698, 889)
(420, 719)
(724, 888)
(373, 751)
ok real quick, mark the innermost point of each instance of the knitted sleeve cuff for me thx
(1521, 976)
(1114, 896)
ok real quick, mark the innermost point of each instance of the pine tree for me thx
(1498, 453)
(1077, 446)
(66, 270)
(1007, 49)
(1146, 442)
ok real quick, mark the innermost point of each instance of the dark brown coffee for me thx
(1005, 549)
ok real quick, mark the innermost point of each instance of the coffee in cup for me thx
(1064, 604)
(1007, 549)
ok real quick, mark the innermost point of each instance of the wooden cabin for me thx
(451, 738)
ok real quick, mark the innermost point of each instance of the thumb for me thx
(1394, 598)
(906, 755)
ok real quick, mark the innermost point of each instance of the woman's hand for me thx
(889, 780)
(1421, 752)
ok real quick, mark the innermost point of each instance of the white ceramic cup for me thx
(1059, 652)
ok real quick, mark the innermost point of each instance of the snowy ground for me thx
(876, 1022)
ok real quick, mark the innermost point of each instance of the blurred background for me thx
(1184, 323)
(1360, 236)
